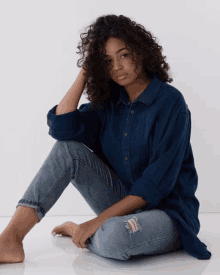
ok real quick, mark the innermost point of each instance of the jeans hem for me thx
(38, 208)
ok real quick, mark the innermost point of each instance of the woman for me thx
(127, 152)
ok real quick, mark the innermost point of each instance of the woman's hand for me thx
(84, 231)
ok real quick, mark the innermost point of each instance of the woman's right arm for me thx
(70, 101)
(66, 122)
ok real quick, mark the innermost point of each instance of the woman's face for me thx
(120, 62)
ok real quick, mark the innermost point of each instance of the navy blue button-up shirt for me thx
(147, 144)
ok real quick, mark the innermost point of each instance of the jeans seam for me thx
(176, 234)
(94, 171)
(39, 204)
(55, 185)
(99, 176)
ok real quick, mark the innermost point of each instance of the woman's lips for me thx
(122, 77)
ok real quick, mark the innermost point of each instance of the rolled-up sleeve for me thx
(81, 125)
(159, 178)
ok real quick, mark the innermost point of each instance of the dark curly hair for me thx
(99, 85)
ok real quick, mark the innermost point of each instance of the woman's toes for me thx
(56, 230)
(63, 229)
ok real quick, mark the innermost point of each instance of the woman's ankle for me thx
(11, 235)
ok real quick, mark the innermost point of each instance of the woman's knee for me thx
(109, 235)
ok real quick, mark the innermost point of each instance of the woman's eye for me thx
(122, 55)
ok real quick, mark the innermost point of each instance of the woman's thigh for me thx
(148, 232)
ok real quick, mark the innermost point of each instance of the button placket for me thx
(126, 134)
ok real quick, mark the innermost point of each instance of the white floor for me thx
(45, 254)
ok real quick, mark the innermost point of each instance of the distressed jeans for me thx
(142, 232)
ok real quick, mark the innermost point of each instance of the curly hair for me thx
(99, 86)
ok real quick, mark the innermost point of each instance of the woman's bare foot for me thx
(11, 250)
(65, 229)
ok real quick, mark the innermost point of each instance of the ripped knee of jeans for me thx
(132, 225)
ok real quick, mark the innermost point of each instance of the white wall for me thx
(38, 66)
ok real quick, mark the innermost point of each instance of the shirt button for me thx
(132, 111)
(126, 134)
(126, 158)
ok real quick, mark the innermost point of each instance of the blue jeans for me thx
(142, 232)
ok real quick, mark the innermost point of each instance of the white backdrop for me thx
(38, 66)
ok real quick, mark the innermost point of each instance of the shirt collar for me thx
(147, 96)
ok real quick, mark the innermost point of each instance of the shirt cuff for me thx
(62, 122)
(147, 191)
